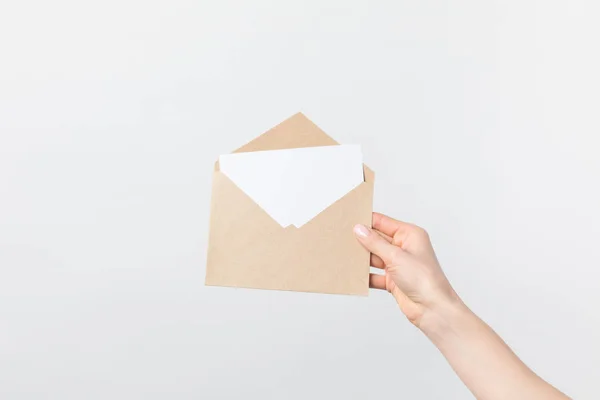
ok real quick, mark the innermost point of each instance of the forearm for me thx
(482, 360)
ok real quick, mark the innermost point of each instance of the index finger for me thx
(388, 225)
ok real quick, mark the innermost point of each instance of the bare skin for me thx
(486, 365)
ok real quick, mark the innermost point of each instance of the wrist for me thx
(444, 321)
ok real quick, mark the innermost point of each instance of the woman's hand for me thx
(412, 272)
(413, 275)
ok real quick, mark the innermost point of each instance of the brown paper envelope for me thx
(247, 248)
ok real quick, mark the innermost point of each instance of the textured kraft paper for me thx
(247, 248)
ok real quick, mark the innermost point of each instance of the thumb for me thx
(376, 244)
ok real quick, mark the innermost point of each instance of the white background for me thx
(480, 119)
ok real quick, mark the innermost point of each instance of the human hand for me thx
(412, 272)
(414, 277)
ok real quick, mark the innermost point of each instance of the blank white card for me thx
(295, 185)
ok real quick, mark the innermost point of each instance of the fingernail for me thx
(361, 230)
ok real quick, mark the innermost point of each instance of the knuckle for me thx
(422, 233)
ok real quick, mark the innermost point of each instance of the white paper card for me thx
(295, 185)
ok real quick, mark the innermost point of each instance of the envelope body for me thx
(247, 248)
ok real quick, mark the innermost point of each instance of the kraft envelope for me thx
(248, 248)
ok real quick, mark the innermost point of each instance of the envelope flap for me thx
(296, 131)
